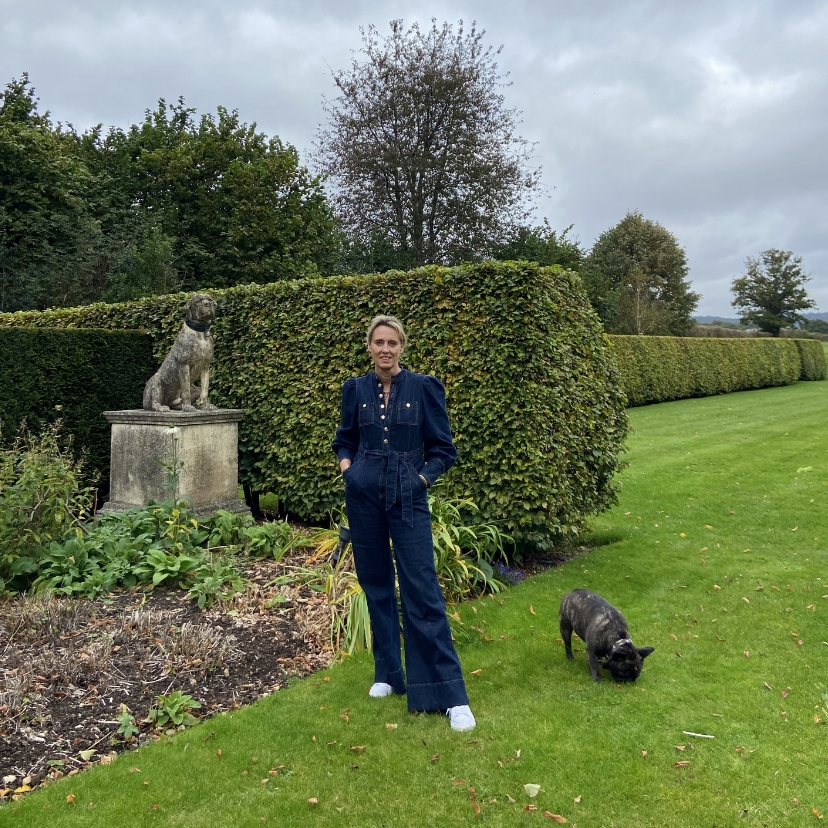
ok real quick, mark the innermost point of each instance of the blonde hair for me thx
(389, 321)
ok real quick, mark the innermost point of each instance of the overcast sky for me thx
(706, 116)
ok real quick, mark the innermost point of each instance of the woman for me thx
(394, 442)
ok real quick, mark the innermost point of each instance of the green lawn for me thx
(717, 556)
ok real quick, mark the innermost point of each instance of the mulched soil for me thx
(68, 665)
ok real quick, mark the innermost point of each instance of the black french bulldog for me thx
(604, 631)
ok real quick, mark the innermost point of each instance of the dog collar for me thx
(196, 326)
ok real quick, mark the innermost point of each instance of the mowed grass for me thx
(717, 556)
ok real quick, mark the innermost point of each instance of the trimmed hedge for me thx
(658, 368)
(812, 357)
(74, 375)
(538, 415)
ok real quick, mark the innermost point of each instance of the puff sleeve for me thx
(439, 452)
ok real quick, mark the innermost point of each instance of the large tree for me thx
(636, 275)
(543, 245)
(420, 149)
(48, 233)
(771, 293)
(208, 202)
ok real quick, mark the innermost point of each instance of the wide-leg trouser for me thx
(435, 679)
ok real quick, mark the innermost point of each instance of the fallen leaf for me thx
(357, 748)
(681, 748)
(390, 726)
(577, 799)
(155, 807)
(344, 717)
(817, 814)
(313, 801)
(746, 600)
(435, 758)
(554, 817)
(458, 781)
(531, 789)
(510, 799)
(716, 587)
(707, 526)
(795, 801)
(747, 654)
(768, 687)
(87, 755)
(475, 804)
(644, 753)
(135, 770)
(784, 694)
(674, 637)
(517, 753)
(738, 748)
(476, 672)
(218, 752)
(23, 789)
(530, 808)
(531, 609)
(683, 764)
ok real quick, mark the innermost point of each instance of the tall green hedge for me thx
(812, 358)
(74, 375)
(533, 396)
(658, 368)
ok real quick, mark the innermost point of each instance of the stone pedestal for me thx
(206, 442)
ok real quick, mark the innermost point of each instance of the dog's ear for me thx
(645, 651)
(188, 305)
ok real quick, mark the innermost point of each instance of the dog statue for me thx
(172, 386)
(604, 631)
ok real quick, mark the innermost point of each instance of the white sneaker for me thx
(380, 689)
(461, 718)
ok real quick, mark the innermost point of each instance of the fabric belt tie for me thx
(393, 464)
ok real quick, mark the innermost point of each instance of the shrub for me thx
(812, 358)
(534, 399)
(75, 375)
(658, 368)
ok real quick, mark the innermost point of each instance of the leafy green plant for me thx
(41, 497)
(173, 709)
(215, 580)
(127, 727)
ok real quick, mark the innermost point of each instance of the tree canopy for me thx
(771, 293)
(636, 275)
(543, 245)
(420, 150)
(174, 202)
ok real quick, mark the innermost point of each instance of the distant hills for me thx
(708, 319)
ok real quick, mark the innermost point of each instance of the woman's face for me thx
(385, 348)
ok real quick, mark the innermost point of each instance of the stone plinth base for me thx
(206, 442)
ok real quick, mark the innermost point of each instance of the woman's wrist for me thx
(344, 464)
(425, 480)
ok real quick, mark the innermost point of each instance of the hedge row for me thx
(658, 368)
(73, 375)
(534, 400)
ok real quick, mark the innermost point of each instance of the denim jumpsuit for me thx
(390, 445)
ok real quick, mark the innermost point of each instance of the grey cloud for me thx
(709, 117)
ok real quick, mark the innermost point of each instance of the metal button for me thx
(408, 405)
(382, 406)
(386, 428)
(385, 441)
(382, 416)
(379, 385)
(365, 405)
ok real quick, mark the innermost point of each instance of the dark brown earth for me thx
(67, 666)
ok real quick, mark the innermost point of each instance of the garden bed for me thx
(68, 665)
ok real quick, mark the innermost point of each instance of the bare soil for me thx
(68, 666)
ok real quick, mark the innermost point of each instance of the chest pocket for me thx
(366, 414)
(408, 413)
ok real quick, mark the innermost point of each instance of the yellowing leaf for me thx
(554, 817)
(357, 748)
(390, 726)
(531, 609)
(577, 799)
(87, 755)
(532, 790)
(683, 764)
(70, 798)
(476, 672)
(313, 801)
(23, 789)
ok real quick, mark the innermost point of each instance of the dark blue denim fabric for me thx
(384, 497)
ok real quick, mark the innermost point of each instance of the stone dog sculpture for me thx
(188, 360)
